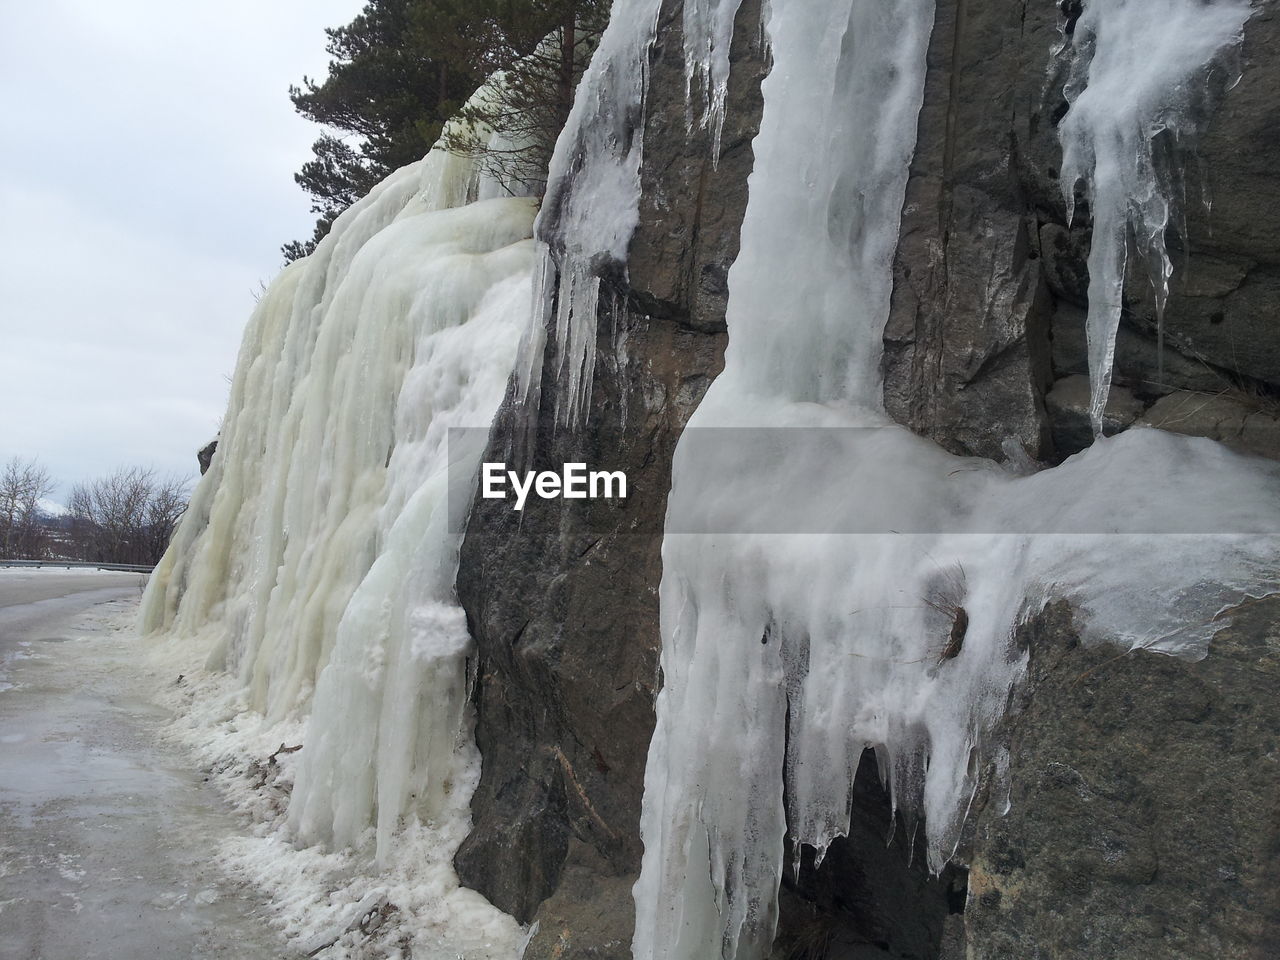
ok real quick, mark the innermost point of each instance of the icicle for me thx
(592, 204)
(1133, 64)
(708, 32)
(846, 83)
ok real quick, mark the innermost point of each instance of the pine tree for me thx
(384, 91)
(402, 68)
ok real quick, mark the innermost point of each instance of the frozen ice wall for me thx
(1137, 73)
(839, 583)
(316, 562)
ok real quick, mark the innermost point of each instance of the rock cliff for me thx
(1142, 819)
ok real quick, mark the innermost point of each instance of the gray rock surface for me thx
(1068, 403)
(1237, 420)
(1144, 803)
(967, 353)
(205, 456)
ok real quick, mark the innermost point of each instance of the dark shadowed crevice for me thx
(870, 897)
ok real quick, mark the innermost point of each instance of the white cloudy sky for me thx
(145, 189)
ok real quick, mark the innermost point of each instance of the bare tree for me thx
(126, 517)
(23, 484)
(167, 504)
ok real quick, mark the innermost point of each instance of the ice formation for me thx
(591, 207)
(316, 560)
(708, 31)
(1135, 72)
(593, 187)
(786, 651)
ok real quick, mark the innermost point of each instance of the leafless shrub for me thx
(23, 484)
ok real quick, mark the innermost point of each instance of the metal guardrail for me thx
(89, 564)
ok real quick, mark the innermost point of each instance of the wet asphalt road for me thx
(106, 836)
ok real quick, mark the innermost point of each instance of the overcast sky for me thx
(145, 189)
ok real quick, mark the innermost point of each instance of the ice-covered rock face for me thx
(590, 211)
(593, 186)
(786, 652)
(317, 560)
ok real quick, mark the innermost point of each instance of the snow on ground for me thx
(409, 906)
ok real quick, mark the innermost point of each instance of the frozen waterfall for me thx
(317, 559)
(787, 651)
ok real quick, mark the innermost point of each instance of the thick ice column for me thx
(388, 734)
(228, 555)
(317, 559)
(808, 296)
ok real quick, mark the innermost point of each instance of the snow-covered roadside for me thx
(409, 906)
